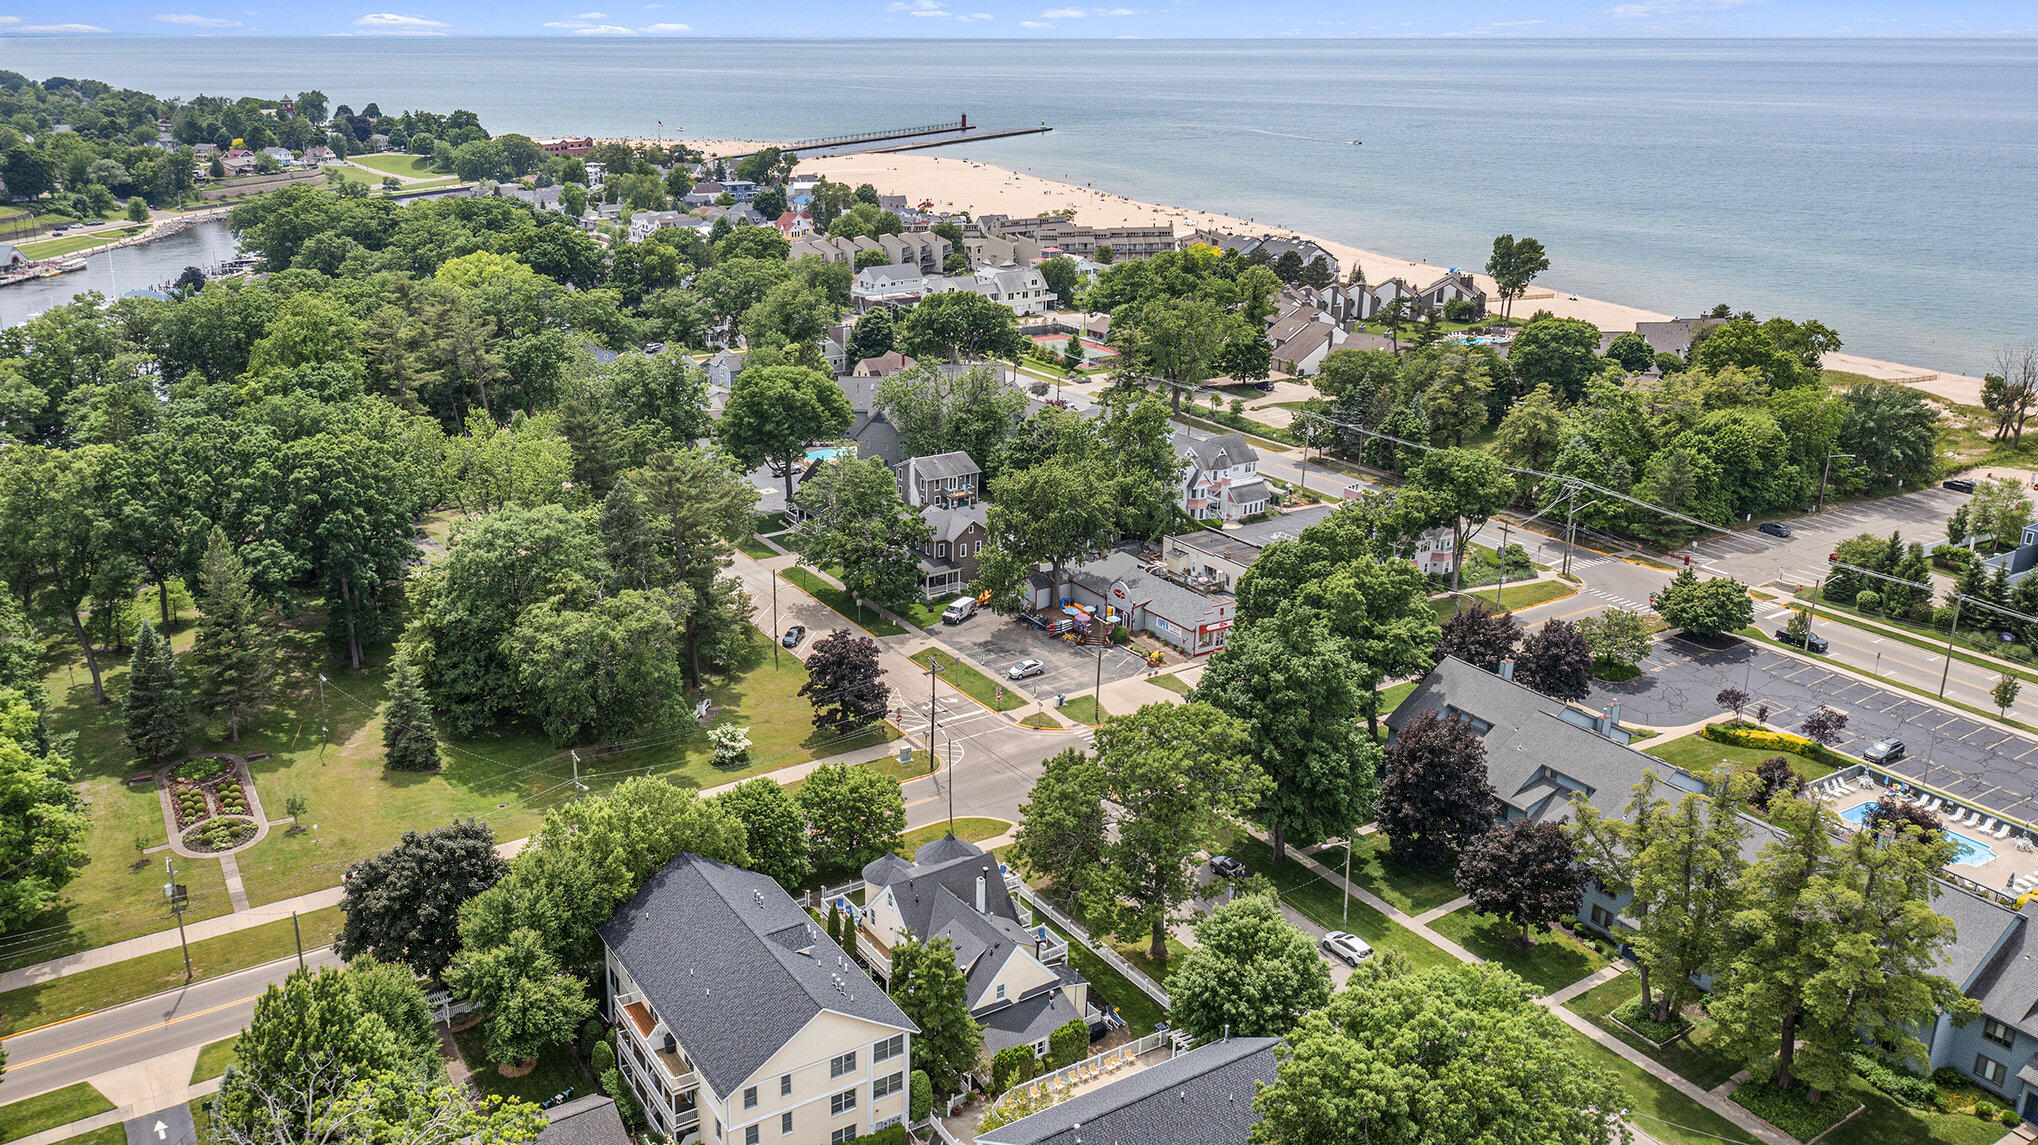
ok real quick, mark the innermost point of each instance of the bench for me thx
(255, 755)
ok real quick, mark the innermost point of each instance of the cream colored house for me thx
(740, 1022)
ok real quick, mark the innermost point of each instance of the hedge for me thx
(1738, 734)
(1011, 1066)
(1069, 1044)
(922, 1100)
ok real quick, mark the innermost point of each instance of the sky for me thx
(1004, 19)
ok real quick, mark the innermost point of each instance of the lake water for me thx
(1886, 187)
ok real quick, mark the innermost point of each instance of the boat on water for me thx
(47, 272)
(71, 265)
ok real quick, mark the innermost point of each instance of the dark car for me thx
(1884, 751)
(1226, 867)
(794, 635)
(1774, 528)
(1811, 642)
(1958, 485)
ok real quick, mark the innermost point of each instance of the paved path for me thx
(171, 1097)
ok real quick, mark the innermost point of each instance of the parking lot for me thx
(998, 642)
(1757, 558)
(1981, 764)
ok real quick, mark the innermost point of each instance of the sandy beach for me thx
(953, 183)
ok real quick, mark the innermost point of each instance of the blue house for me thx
(1543, 756)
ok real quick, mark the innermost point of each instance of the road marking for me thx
(17, 1066)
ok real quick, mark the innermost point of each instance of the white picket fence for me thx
(1111, 957)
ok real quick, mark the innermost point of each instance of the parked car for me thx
(1884, 751)
(1349, 949)
(1811, 643)
(962, 609)
(1024, 669)
(1226, 867)
(1958, 485)
(1774, 528)
(794, 635)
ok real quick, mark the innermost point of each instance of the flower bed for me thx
(191, 805)
(1636, 1018)
(220, 834)
(199, 770)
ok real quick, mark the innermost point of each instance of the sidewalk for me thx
(143, 1101)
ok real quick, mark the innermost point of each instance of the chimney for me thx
(1507, 669)
(981, 905)
(1613, 716)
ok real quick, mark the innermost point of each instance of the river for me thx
(115, 272)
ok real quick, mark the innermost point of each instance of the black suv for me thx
(1884, 751)
(1958, 485)
(1224, 866)
(1811, 643)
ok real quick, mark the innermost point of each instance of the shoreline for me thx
(955, 183)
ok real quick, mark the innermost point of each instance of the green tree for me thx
(1062, 821)
(1175, 772)
(1633, 352)
(872, 335)
(42, 842)
(601, 672)
(1050, 514)
(1534, 430)
(403, 905)
(1459, 390)
(531, 1003)
(154, 709)
(1618, 637)
(774, 412)
(936, 411)
(855, 518)
(2005, 693)
(856, 814)
(410, 738)
(775, 829)
(1434, 797)
(1705, 608)
(1251, 973)
(232, 661)
(1435, 1057)
(1297, 690)
(1561, 353)
(1514, 264)
(1176, 340)
(845, 683)
(1523, 871)
(960, 326)
(1461, 488)
(930, 989)
(698, 501)
(1062, 279)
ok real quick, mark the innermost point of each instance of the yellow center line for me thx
(130, 1033)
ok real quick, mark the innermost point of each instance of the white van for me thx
(963, 608)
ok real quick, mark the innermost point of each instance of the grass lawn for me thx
(1042, 720)
(755, 549)
(1699, 755)
(1084, 710)
(74, 1102)
(1888, 1122)
(921, 614)
(1656, 1108)
(408, 166)
(1133, 1004)
(1411, 888)
(1689, 1056)
(88, 990)
(1515, 597)
(53, 248)
(1390, 698)
(1314, 896)
(972, 683)
(973, 829)
(104, 1135)
(214, 1058)
(1171, 682)
(865, 618)
(557, 1070)
(1554, 962)
(1788, 1110)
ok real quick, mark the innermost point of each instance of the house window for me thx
(1990, 1070)
(846, 1133)
(750, 1098)
(1998, 1032)
(941, 548)
(842, 1103)
(887, 1086)
(750, 1135)
(785, 1085)
(785, 1122)
(841, 1064)
(888, 1049)
(1602, 917)
(1001, 991)
(1040, 1048)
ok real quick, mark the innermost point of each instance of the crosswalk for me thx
(1616, 601)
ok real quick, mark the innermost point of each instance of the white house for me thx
(1220, 477)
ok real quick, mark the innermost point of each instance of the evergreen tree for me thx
(232, 659)
(410, 740)
(930, 989)
(630, 544)
(154, 707)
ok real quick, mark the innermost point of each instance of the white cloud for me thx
(1063, 14)
(394, 24)
(1644, 9)
(1114, 11)
(588, 24)
(6, 20)
(54, 29)
(663, 29)
(604, 30)
(188, 20)
(1034, 24)
(592, 16)
(1514, 23)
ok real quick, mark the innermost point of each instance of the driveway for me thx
(1991, 768)
(998, 642)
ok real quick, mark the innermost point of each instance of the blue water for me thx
(1887, 187)
(1971, 852)
(829, 453)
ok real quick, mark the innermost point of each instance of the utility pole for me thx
(1097, 696)
(1570, 506)
(1500, 593)
(297, 933)
(775, 635)
(577, 784)
(178, 896)
(1824, 472)
(322, 727)
(933, 674)
(1951, 630)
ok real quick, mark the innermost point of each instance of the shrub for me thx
(197, 769)
(889, 1135)
(1907, 1088)
(1011, 1066)
(627, 1105)
(1869, 601)
(603, 1057)
(1942, 619)
(2009, 1117)
(593, 1033)
(1739, 734)
(1069, 1044)
(1120, 634)
(2021, 653)
(921, 1102)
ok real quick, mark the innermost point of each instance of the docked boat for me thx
(71, 265)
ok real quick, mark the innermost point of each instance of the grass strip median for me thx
(74, 1102)
(868, 619)
(971, 682)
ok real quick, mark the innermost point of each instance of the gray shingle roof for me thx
(948, 524)
(946, 849)
(590, 1120)
(941, 466)
(1178, 603)
(1219, 452)
(718, 953)
(1203, 1097)
(1027, 1021)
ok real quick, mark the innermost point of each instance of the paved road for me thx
(1991, 768)
(169, 1126)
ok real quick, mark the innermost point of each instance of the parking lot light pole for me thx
(1947, 668)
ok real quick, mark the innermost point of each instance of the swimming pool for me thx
(831, 453)
(1970, 853)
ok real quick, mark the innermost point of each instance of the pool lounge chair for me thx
(2002, 831)
(1932, 804)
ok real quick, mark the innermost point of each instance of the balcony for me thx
(673, 1067)
(873, 950)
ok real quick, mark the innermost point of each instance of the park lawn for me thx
(1411, 888)
(1316, 897)
(1887, 1121)
(867, 619)
(1554, 962)
(756, 549)
(556, 1072)
(214, 1058)
(74, 1102)
(1084, 711)
(1656, 1107)
(407, 166)
(971, 829)
(115, 1134)
(27, 1007)
(56, 248)
(1518, 596)
(1689, 1056)
(1042, 720)
(1698, 755)
(1171, 682)
(972, 683)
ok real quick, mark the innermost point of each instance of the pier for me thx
(895, 139)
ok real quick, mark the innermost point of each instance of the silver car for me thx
(1349, 949)
(1024, 669)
